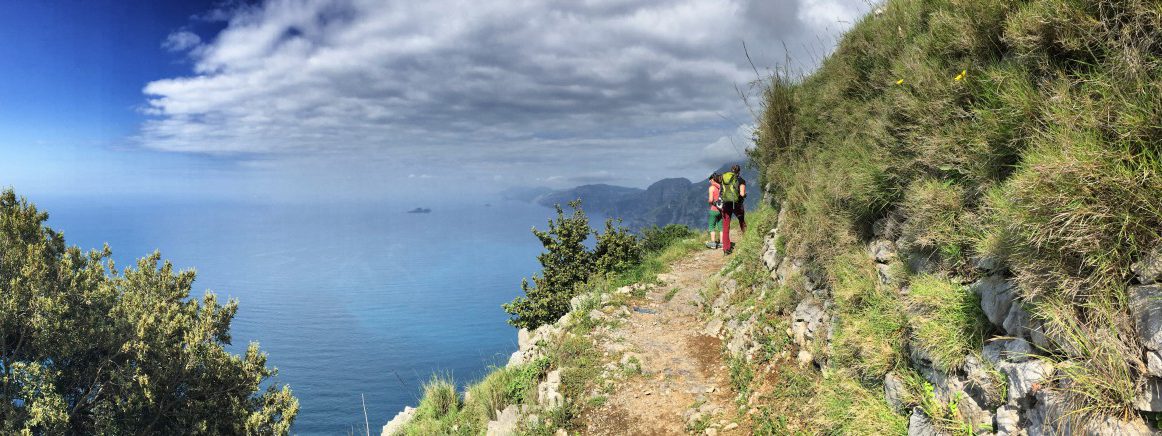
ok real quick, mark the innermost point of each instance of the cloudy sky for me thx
(378, 98)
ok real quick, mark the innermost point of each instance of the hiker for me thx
(714, 222)
(733, 194)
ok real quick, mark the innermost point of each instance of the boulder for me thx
(806, 320)
(1149, 269)
(1154, 363)
(920, 425)
(1008, 419)
(981, 384)
(1149, 399)
(1146, 308)
(1109, 425)
(996, 297)
(549, 391)
(401, 419)
(1017, 322)
(1008, 350)
(884, 272)
(1026, 379)
(505, 423)
(883, 250)
(895, 391)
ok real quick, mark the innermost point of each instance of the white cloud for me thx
(573, 89)
(181, 40)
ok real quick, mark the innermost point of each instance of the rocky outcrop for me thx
(401, 419)
(1011, 385)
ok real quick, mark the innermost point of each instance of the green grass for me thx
(1044, 155)
(946, 320)
(872, 324)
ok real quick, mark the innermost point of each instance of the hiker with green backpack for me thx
(733, 195)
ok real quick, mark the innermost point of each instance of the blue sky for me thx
(358, 99)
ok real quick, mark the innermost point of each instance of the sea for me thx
(355, 304)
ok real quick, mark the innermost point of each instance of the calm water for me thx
(345, 299)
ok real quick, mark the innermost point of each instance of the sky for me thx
(305, 100)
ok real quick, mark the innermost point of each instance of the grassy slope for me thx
(443, 411)
(1025, 131)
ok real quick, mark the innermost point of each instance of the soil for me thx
(681, 366)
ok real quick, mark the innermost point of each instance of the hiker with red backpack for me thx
(733, 195)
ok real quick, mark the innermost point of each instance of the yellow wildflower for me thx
(962, 75)
(900, 82)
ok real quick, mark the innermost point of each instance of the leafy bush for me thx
(655, 239)
(567, 264)
(86, 350)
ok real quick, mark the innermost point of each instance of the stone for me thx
(884, 272)
(596, 315)
(920, 425)
(401, 419)
(505, 423)
(804, 357)
(1008, 350)
(1008, 419)
(713, 328)
(1110, 425)
(549, 391)
(1146, 308)
(895, 391)
(1025, 379)
(806, 320)
(996, 297)
(1149, 269)
(561, 432)
(980, 383)
(523, 339)
(1154, 363)
(1149, 399)
(577, 301)
(1016, 323)
(987, 263)
(730, 426)
(883, 250)
(710, 432)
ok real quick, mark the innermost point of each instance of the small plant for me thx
(671, 293)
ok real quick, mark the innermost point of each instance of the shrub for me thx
(87, 350)
(655, 239)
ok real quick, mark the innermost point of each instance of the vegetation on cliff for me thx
(1013, 136)
(85, 349)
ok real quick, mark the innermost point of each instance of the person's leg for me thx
(726, 228)
(740, 213)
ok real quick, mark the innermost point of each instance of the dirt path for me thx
(682, 368)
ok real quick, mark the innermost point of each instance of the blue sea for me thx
(346, 299)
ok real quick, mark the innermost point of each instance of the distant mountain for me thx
(524, 194)
(667, 201)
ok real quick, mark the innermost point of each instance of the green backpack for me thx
(730, 187)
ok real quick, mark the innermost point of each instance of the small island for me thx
(420, 210)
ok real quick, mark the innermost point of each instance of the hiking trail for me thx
(684, 386)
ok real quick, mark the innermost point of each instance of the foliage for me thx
(947, 322)
(566, 264)
(655, 238)
(1026, 131)
(86, 350)
(871, 324)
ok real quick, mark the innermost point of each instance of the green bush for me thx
(86, 350)
(655, 239)
(566, 264)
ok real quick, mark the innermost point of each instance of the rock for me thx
(920, 425)
(565, 320)
(576, 302)
(549, 391)
(523, 339)
(806, 320)
(1149, 269)
(1016, 323)
(883, 250)
(730, 426)
(894, 392)
(804, 357)
(560, 432)
(884, 272)
(505, 423)
(1009, 350)
(1154, 363)
(980, 383)
(887, 227)
(1146, 308)
(1149, 399)
(987, 263)
(713, 328)
(1110, 425)
(596, 315)
(996, 297)
(1025, 379)
(1007, 421)
(400, 420)
(710, 432)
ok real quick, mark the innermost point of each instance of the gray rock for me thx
(920, 425)
(1009, 350)
(1149, 269)
(996, 297)
(523, 339)
(505, 423)
(894, 392)
(1017, 321)
(806, 320)
(596, 315)
(549, 391)
(1146, 307)
(884, 272)
(1008, 419)
(1023, 377)
(1154, 363)
(987, 263)
(980, 383)
(713, 328)
(401, 419)
(1149, 399)
(1110, 425)
(883, 250)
